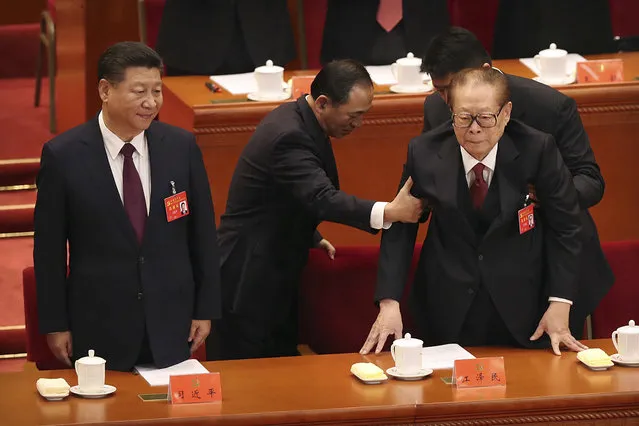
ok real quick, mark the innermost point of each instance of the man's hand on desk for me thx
(60, 345)
(200, 329)
(326, 245)
(404, 208)
(555, 324)
(388, 322)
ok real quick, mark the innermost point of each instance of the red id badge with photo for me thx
(176, 206)
(526, 219)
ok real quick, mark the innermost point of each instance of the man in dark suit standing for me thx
(143, 280)
(379, 32)
(286, 183)
(224, 36)
(525, 27)
(548, 110)
(485, 275)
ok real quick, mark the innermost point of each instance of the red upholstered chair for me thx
(336, 303)
(621, 304)
(37, 348)
(149, 18)
(47, 47)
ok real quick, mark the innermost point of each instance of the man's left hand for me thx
(200, 329)
(555, 324)
(326, 245)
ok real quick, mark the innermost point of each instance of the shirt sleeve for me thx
(377, 216)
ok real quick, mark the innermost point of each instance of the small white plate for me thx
(259, 98)
(370, 382)
(420, 375)
(106, 390)
(569, 79)
(56, 397)
(422, 88)
(615, 358)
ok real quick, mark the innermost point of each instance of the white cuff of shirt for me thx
(377, 216)
(559, 299)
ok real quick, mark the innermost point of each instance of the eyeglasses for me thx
(483, 119)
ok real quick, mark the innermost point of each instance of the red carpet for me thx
(25, 128)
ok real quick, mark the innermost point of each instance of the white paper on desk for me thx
(160, 376)
(571, 63)
(443, 356)
(381, 74)
(237, 84)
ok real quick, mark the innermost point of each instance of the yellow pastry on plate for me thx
(595, 358)
(368, 372)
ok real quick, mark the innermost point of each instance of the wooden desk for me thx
(370, 160)
(318, 389)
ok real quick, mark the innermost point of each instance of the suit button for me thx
(480, 257)
(141, 260)
(471, 291)
(140, 295)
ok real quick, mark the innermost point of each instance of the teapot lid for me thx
(92, 359)
(410, 59)
(408, 341)
(631, 328)
(553, 52)
(269, 68)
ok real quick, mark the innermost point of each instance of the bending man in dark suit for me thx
(224, 36)
(548, 110)
(481, 280)
(285, 183)
(353, 29)
(142, 283)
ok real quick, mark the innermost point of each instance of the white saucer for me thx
(422, 88)
(106, 390)
(569, 79)
(420, 375)
(56, 397)
(615, 358)
(259, 98)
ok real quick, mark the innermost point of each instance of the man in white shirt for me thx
(487, 275)
(143, 279)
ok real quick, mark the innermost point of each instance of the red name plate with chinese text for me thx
(472, 373)
(195, 388)
(600, 71)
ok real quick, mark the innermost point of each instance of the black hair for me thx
(337, 78)
(117, 58)
(452, 51)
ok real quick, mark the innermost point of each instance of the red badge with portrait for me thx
(526, 219)
(176, 206)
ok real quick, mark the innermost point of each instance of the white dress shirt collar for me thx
(114, 144)
(470, 161)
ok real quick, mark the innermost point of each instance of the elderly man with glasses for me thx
(488, 273)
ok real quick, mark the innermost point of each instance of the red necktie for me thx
(134, 201)
(389, 13)
(479, 187)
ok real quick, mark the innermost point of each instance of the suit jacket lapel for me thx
(447, 182)
(99, 169)
(507, 170)
(159, 157)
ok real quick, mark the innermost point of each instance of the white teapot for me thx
(626, 341)
(270, 80)
(407, 71)
(90, 371)
(552, 64)
(407, 354)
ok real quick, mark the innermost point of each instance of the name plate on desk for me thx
(600, 71)
(471, 373)
(195, 388)
(301, 84)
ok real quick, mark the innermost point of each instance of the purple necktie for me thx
(479, 188)
(134, 201)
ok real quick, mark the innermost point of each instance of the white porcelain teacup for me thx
(407, 71)
(90, 371)
(552, 64)
(270, 79)
(407, 354)
(626, 341)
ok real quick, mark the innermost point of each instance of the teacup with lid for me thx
(407, 354)
(90, 371)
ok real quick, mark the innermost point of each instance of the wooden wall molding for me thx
(543, 419)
